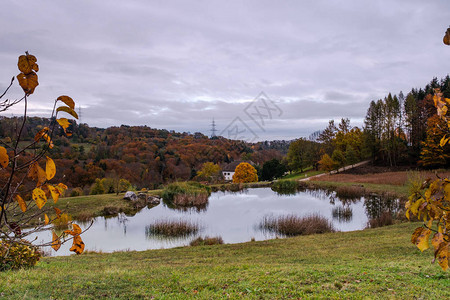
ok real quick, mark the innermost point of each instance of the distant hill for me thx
(145, 156)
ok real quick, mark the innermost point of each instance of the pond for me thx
(233, 216)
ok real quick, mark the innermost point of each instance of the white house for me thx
(228, 170)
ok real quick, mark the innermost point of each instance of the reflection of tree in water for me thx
(381, 209)
(342, 214)
(193, 208)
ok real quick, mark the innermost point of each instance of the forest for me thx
(398, 130)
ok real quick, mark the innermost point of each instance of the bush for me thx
(207, 241)
(17, 255)
(291, 225)
(97, 188)
(75, 192)
(385, 219)
(172, 228)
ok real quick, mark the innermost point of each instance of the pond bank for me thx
(360, 264)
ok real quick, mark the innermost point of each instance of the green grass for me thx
(301, 175)
(375, 263)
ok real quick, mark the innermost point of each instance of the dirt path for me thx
(339, 170)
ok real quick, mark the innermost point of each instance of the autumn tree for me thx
(430, 202)
(210, 172)
(245, 172)
(433, 154)
(326, 163)
(26, 176)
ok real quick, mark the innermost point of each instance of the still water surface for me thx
(233, 216)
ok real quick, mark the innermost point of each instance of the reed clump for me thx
(292, 225)
(186, 194)
(172, 228)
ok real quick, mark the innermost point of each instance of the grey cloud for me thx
(177, 64)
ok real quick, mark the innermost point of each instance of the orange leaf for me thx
(39, 197)
(41, 133)
(4, 158)
(27, 63)
(28, 82)
(50, 168)
(47, 220)
(37, 173)
(77, 245)
(22, 203)
(57, 211)
(68, 101)
(68, 110)
(48, 139)
(56, 243)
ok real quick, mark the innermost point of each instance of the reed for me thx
(292, 225)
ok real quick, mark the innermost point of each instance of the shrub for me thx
(75, 192)
(172, 228)
(207, 241)
(97, 188)
(342, 214)
(291, 225)
(384, 219)
(17, 255)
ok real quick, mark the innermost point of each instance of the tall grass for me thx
(206, 241)
(347, 192)
(186, 194)
(292, 225)
(172, 228)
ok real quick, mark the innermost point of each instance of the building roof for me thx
(231, 167)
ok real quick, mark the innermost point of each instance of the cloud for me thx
(176, 65)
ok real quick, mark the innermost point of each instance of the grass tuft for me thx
(207, 241)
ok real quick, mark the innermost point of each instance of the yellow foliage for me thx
(22, 204)
(245, 173)
(39, 197)
(4, 158)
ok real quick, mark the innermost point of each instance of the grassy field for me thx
(374, 263)
(301, 175)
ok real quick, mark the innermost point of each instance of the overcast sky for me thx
(178, 64)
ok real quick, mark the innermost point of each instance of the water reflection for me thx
(234, 216)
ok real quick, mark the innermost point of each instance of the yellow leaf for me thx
(54, 192)
(68, 101)
(22, 203)
(64, 123)
(56, 243)
(4, 158)
(41, 133)
(39, 197)
(61, 188)
(420, 238)
(442, 255)
(444, 141)
(28, 82)
(68, 110)
(47, 220)
(76, 229)
(77, 245)
(50, 168)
